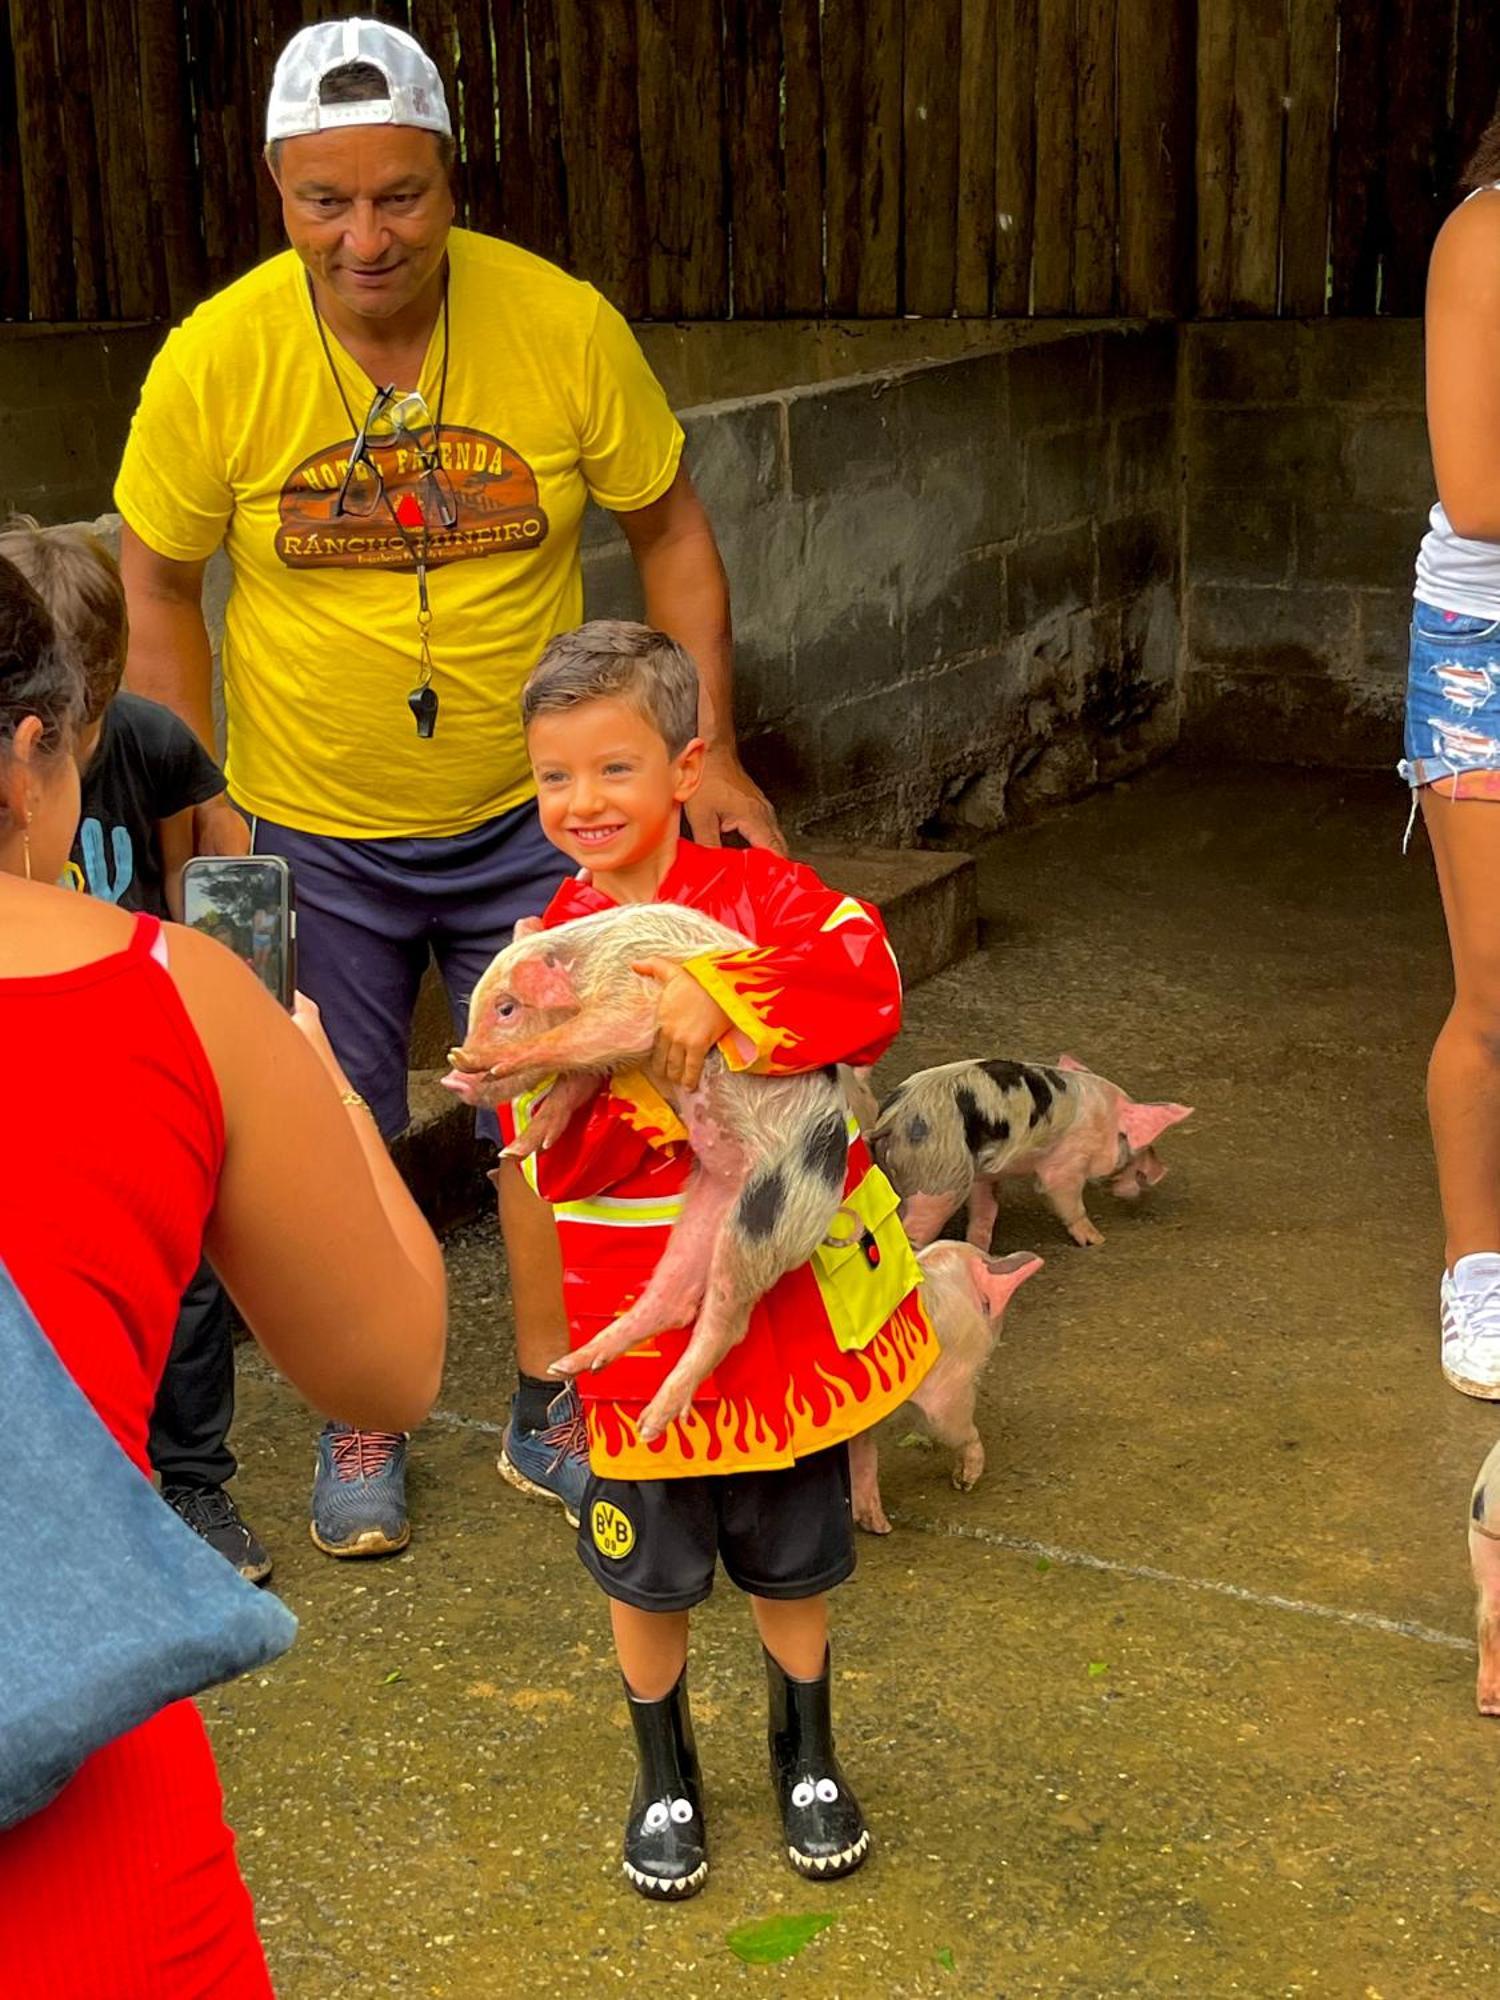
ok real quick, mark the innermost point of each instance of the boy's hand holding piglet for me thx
(691, 1022)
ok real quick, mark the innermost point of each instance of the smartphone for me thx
(246, 901)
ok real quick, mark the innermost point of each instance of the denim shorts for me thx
(1452, 698)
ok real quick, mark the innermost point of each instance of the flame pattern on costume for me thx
(835, 1345)
(830, 1397)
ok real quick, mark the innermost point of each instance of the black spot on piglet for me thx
(1007, 1075)
(758, 1209)
(917, 1131)
(825, 1150)
(980, 1130)
(1041, 1094)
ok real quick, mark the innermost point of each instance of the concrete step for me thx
(929, 902)
(930, 906)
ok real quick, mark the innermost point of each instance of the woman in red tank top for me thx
(213, 1124)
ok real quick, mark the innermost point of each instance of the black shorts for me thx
(784, 1533)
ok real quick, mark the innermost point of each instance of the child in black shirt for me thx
(142, 772)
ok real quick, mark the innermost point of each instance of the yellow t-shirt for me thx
(241, 437)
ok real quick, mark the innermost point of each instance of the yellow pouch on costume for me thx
(859, 1295)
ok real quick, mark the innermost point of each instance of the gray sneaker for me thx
(359, 1493)
(552, 1463)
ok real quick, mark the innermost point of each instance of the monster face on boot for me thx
(666, 1843)
(825, 1830)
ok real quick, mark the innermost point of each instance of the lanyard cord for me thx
(419, 556)
(423, 697)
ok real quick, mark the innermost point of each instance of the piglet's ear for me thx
(1143, 1124)
(997, 1279)
(1071, 1062)
(543, 981)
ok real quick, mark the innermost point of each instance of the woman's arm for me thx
(314, 1234)
(1463, 367)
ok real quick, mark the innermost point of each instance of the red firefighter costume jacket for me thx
(835, 1345)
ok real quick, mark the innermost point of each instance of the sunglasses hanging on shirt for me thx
(391, 419)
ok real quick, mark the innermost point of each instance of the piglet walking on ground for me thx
(772, 1152)
(965, 1293)
(952, 1134)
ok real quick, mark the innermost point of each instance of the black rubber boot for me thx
(666, 1843)
(826, 1833)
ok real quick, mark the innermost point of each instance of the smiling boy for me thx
(757, 1473)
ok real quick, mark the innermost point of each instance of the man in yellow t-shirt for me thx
(393, 429)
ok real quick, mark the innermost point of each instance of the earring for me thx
(26, 847)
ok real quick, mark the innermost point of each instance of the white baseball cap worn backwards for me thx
(415, 90)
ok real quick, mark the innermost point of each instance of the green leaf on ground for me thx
(1097, 1667)
(1042, 1565)
(774, 1938)
(945, 1959)
(393, 1675)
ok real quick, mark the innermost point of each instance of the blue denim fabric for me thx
(107, 1612)
(1452, 696)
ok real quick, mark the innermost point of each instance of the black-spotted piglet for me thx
(952, 1134)
(772, 1152)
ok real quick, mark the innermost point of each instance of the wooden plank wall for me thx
(763, 158)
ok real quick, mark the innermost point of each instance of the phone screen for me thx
(245, 901)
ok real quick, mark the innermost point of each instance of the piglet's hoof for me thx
(968, 1467)
(671, 1405)
(872, 1519)
(1085, 1235)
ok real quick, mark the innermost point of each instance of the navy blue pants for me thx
(370, 913)
(195, 1400)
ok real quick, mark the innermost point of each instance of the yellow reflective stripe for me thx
(521, 1111)
(521, 1106)
(622, 1211)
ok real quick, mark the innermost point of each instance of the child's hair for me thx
(617, 659)
(37, 677)
(78, 580)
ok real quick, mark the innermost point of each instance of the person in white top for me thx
(1452, 757)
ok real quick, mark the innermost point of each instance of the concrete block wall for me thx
(955, 585)
(955, 580)
(66, 397)
(1308, 483)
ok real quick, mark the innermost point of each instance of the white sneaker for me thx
(1471, 1325)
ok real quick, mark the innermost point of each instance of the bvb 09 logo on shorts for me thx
(613, 1534)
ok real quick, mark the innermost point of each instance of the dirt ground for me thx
(1178, 1701)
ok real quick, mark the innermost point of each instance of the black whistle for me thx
(423, 703)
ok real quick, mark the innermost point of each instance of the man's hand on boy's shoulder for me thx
(219, 828)
(729, 801)
(689, 1023)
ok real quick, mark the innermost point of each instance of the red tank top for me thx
(109, 1162)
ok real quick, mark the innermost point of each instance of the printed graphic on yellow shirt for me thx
(613, 1534)
(494, 490)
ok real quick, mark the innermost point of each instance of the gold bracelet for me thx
(353, 1097)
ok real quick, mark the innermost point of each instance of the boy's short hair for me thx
(78, 580)
(616, 659)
